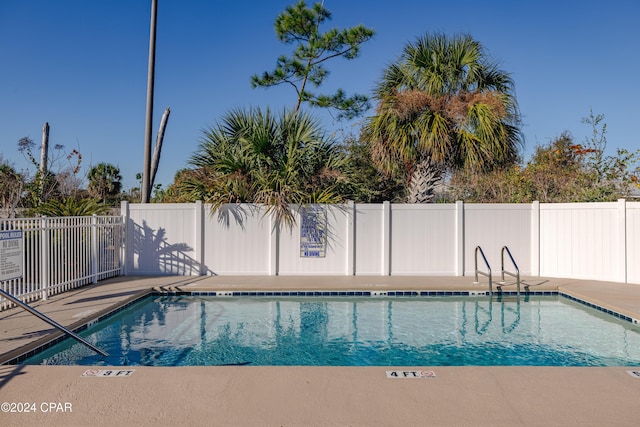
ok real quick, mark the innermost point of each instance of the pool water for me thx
(371, 331)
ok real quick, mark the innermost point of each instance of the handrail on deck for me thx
(52, 322)
(517, 272)
(478, 248)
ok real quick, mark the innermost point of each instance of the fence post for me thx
(126, 243)
(351, 238)
(199, 237)
(459, 236)
(535, 238)
(274, 246)
(386, 238)
(94, 248)
(621, 268)
(44, 258)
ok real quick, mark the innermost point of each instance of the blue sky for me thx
(81, 65)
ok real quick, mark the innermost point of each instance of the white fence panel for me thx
(492, 226)
(369, 244)
(423, 239)
(63, 253)
(107, 260)
(580, 240)
(597, 241)
(161, 239)
(237, 240)
(633, 242)
(336, 257)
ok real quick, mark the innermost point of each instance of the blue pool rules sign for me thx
(313, 232)
(11, 244)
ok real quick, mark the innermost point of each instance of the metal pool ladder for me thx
(52, 322)
(479, 249)
(516, 275)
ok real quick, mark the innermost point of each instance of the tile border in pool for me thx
(35, 348)
(353, 293)
(600, 308)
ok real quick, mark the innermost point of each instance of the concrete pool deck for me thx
(308, 396)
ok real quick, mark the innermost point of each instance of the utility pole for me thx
(146, 172)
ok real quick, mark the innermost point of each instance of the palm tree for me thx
(254, 156)
(443, 104)
(104, 181)
(71, 207)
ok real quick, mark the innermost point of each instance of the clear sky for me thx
(81, 65)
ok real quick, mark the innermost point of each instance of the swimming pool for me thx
(354, 331)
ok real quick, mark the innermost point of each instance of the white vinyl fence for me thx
(64, 253)
(599, 241)
(580, 240)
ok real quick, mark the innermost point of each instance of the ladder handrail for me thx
(516, 274)
(52, 322)
(478, 248)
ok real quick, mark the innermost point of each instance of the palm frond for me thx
(257, 156)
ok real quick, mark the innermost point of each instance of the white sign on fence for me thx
(313, 232)
(10, 254)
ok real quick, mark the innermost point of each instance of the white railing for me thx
(64, 253)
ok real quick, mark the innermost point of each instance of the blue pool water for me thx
(451, 331)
